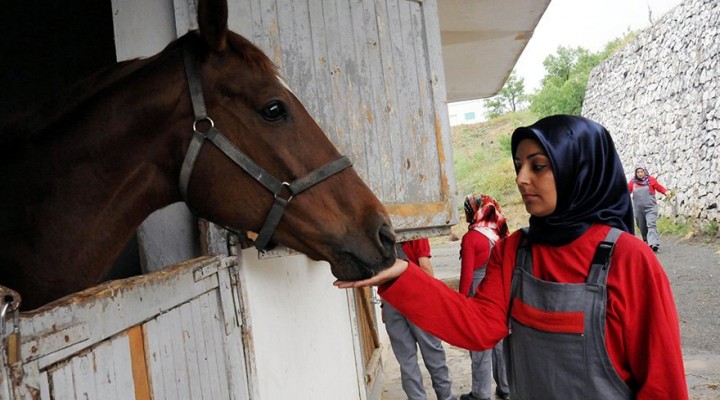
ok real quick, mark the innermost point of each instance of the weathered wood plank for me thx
(188, 334)
(200, 344)
(176, 333)
(61, 329)
(83, 377)
(363, 69)
(136, 342)
(105, 376)
(62, 383)
(153, 359)
(125, 387)
(212, 316)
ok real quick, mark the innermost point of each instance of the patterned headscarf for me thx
(589, 179)
(483, 214)
(645, 180)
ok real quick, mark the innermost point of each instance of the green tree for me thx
(563, 87)
(510, 98)
(567, 72)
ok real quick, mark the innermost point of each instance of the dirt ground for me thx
(694, 271)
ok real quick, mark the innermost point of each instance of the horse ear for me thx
(212, 22)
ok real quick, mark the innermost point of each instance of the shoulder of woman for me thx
(509, 243)
(632, 251)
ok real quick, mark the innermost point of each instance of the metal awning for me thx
(481, 42)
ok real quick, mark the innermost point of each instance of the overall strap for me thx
(523, 256)
(523, 262)
(601, 261)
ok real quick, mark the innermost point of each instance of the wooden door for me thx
(368, 332)
(173, 334)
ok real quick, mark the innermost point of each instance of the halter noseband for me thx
(243, 161)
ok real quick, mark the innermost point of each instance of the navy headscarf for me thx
(589, 179)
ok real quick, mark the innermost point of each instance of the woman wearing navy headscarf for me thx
(584, 305)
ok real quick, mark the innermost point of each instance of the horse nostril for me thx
(387, 240)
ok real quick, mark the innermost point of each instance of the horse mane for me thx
(36, 123)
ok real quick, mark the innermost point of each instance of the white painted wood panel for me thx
(191, 362)
(190, 352)
(102, 373)
(303, 338)
(371, 74)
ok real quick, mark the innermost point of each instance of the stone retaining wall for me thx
(660, 99)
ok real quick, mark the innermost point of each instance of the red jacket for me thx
(653, 185)
(474, 254)
(417, 248)
(642, 327)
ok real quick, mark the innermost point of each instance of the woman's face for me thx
(535, 178)
(640, 173)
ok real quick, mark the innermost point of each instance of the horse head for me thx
(270, 168)
(207, 121)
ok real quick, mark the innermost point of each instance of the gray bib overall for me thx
(556, 349)
(646, 212)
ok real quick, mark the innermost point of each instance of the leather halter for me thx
(272, 184)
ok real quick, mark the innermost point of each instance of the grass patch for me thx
(710, 228)
(483, 163)
(673, 226)
(689, 228)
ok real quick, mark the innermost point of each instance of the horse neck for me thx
(133, 137)
(86, 183)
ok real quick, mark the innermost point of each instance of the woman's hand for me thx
(384, 276)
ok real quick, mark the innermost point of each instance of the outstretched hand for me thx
(384, 276)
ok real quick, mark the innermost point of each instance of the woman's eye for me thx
(538, 167)
(273, 111)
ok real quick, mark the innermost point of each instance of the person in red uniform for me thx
(406, 337)
(486, 225)
(642, 189)
(585, 306)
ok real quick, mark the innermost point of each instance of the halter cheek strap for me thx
(272, 184)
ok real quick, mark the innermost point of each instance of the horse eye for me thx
(273, 111)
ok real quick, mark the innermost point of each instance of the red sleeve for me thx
(660, 188)
(417, 248)
(630, 186)
(476, 323)
(643, 328)
(422, 247)
(474, 253)
(642, 325)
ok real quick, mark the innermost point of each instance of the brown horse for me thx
(78, 178)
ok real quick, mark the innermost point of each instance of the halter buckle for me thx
(289, 189)
(203, 119)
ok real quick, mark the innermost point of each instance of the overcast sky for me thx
(585, 23)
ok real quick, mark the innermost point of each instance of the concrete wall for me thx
(660, 99)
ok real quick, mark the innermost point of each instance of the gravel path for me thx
(694, 271)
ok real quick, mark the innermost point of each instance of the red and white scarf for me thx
(484, 215)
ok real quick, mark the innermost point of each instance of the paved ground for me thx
(693, 269)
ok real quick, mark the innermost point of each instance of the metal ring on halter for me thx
(287, 186)
(212, 124)
(3, 312)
